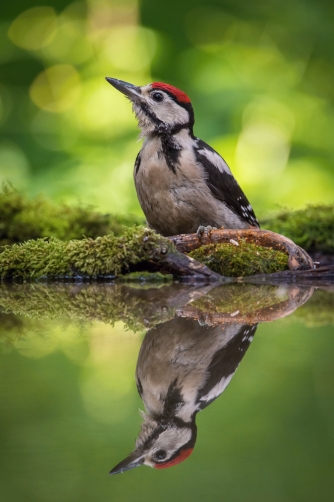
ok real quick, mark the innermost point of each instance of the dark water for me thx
(69, 402)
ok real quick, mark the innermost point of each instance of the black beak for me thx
(133, 460)
(131, 91)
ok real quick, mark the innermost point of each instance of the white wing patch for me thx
(217, 389)
(215, 159)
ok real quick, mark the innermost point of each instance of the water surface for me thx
(69, 402)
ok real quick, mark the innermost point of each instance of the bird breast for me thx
(168, 190)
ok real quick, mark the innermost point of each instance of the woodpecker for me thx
(183, 366)
(183, 185)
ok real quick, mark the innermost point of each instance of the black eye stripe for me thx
(145, 108)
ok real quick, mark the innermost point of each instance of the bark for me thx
(181, 265)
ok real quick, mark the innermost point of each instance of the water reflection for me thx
(195, 341)
(185, 363)
(183, 366)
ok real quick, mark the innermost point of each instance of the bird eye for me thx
(160, 454)
(157, 96)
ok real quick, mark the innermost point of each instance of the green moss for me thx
(311, 228)
(119, 249)
(22, 219)
(111, 256)
(239, 261)
(107, 256)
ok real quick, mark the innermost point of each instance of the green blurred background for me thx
(260, 75)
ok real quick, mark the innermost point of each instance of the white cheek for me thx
(171, 113)
(173, 439)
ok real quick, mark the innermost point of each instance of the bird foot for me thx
(203, 231)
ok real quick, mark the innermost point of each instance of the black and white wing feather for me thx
(222, 183)
(224, 364)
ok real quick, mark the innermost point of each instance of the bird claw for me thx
(203, 231)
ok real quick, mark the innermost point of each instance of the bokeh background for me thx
(260, 75)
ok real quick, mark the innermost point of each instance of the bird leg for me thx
(298, 258)
(204, 231)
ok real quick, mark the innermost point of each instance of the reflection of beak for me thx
(133, 460)
(131, 91)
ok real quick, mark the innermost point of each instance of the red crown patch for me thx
(179, 95)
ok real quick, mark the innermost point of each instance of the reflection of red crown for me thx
(177, 93)
(183, 455)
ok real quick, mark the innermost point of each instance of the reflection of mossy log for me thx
(246, 304)
(99, 302)
(29, 310)
(140, 308)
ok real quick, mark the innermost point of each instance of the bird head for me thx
(160, 444)
(159, 108)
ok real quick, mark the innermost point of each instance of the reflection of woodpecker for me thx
(182, 367)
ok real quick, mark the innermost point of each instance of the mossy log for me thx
(138, 249)
(142, 250)
(21, 219)
(298, 258)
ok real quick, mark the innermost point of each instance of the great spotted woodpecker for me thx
(183, 366)
(182, 183)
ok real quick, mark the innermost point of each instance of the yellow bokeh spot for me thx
(130, 48)
(103, 109)
(56, 89)
(262, 152)
(34, 28)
